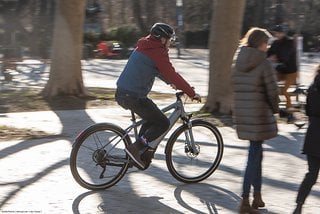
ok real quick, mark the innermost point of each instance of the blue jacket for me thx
(150, 59)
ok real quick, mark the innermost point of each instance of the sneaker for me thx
(147, 156)
(134, 151)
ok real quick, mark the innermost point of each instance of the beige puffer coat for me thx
(256, 97)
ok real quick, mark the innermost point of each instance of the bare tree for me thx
(136, 7)
(65, 74)
(224, 36)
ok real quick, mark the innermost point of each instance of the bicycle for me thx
(193, 151)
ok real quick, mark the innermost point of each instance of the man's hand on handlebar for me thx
(197, 97)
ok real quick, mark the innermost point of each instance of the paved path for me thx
(35, 175)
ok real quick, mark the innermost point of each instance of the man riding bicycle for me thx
(150, 59)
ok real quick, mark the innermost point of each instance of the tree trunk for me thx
(65, 76)
(224, 38)
(136, 7)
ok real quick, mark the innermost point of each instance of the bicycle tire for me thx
(188, 167)
(96, 148)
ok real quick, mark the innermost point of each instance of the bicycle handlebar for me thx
(181, 93)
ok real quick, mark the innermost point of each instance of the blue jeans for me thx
(253, 173)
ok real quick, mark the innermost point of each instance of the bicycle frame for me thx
(100, 147)
(174, 116)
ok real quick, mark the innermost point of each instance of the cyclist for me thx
(150, 59)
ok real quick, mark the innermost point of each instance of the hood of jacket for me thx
(149, 42)
(249, 58)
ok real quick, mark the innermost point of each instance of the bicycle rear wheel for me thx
(98, 159)
(193, 166)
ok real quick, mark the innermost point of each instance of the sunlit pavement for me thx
(35, 175)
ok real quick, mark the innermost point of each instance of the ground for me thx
(31, 100)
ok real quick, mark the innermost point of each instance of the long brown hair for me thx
(255, 37)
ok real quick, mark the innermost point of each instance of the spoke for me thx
(87, 147)
(97, 140)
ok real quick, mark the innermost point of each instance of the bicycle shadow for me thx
(213, 197)
(124, 201)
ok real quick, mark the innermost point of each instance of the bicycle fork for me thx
(190, 146)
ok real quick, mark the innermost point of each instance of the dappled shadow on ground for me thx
(124, 196)
(213, 197)
(69, 131)
(210, 196)
(115, 200)
(20, 186)
(289, 143)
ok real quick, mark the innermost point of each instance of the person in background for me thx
(256, 100)
(282, 54)
(311, 145)
(150, 59)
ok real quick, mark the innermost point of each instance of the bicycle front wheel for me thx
(98, 159)
(191, 161)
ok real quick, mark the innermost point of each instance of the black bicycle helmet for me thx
(159, 30)
(280, 28)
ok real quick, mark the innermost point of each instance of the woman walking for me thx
(256, 101)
